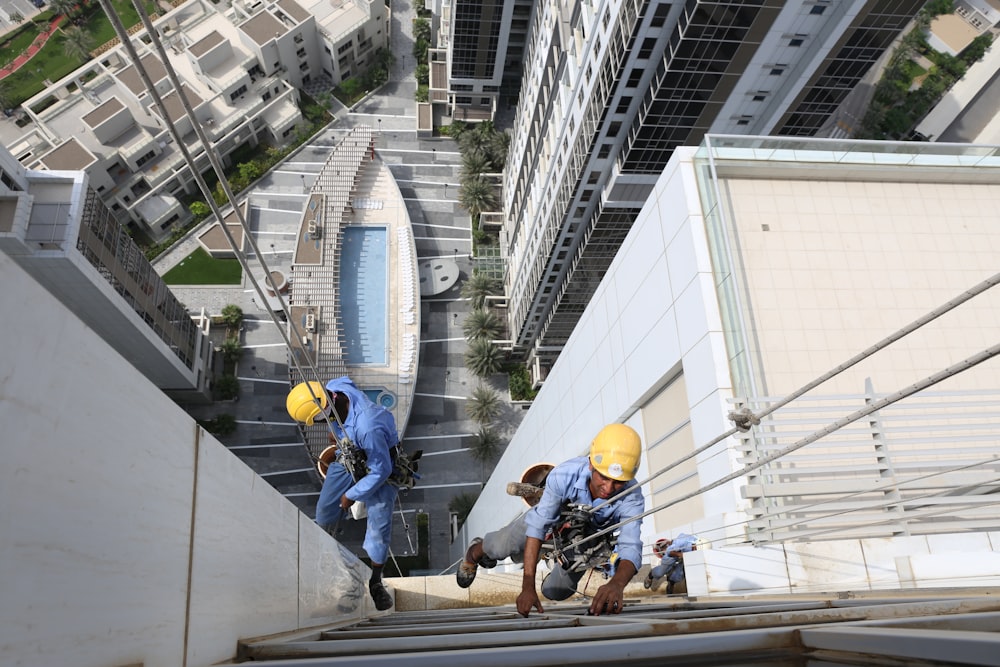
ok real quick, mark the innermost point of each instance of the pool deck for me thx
(354, 188)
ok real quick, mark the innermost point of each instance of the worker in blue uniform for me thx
(372, 431)
(607, 472)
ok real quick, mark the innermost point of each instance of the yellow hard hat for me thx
(615, 452)
(302, 406)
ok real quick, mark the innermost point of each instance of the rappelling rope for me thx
(954, 369)
(219, 170)
(744, 418)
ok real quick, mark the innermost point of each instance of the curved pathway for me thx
(34, 48)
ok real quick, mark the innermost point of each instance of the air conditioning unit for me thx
(311, 323)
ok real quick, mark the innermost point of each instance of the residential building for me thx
(55, 227)
(240, 66)
(611, 89)
(477, 58)
(757, 266)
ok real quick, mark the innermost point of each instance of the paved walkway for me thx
(34, 48)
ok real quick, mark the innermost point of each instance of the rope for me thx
(219, 171)
(954, 369)
(744, 417)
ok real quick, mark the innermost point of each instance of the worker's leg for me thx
(379, 533)
(663, 569)
(328, 512)
(560, 584)
(508, 542)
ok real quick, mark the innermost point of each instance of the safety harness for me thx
(566, 548)
(355, 461)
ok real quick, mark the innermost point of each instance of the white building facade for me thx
(756, 266)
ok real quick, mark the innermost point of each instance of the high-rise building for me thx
(58, 230)
(482, 43)
(611, 89)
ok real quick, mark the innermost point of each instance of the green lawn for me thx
(52, 62)
(199, 268)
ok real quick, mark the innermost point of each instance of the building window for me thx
(236, 93)
(760, 97)
(777, 71)
(266, 96)
(604, 151)
(795, 41)
(634, 77)
(817, 9)
(344, 47)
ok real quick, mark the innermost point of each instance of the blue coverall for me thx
(372, 428)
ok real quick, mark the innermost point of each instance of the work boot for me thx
(380, 595)
(648, 581)
(474, 557)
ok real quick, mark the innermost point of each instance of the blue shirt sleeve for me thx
(545, 514)
(630, 537)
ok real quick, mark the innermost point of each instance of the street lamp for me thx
(380, 126)
(434, 155)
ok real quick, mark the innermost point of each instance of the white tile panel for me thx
(117, 549)
(826, 566)
(741, 569)
(880, 556)
(241, 590)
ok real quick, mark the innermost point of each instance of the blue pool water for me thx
(363, 297)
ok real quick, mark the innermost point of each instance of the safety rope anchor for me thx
(744, 419)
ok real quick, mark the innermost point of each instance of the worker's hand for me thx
(608, 600)
(345, 503)
(527, 600)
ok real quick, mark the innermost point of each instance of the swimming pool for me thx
(363, 294)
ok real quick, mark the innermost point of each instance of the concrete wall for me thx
(131, 536)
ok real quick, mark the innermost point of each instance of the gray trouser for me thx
(508, 542)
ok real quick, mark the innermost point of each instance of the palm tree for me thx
(482, 324)
(461, 505)
(64, 7)
(483, 358)
(477, 195)
(474, 163)
(77, 42)
(226, 387)
(486, 445)
(497, 150)
(232, 315)
(231, 350)
(483, 405)
(478, 287)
